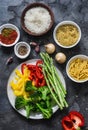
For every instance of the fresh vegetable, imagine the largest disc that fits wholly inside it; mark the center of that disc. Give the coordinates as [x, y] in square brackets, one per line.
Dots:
[28, 72]
[20, 102]
[9, 60]
[34, 44]
[67, 123]
[23, 66]
[39, 72]
[36, 74]
[37, 90]
[77, 118]
[39, 100]
[50, 48]
[53, 81]
[46, 112]
[73, 121]
[29, 96]
[29, 107]
[60, 57]
[18, 82]
[37, 48]
[42, 91]
[29, 87]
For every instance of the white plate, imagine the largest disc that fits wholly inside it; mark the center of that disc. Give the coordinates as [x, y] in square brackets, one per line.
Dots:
[12, 97]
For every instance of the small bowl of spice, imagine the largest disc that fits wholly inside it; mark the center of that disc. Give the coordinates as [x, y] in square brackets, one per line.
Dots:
[77, 68]
[9, 35]
[22, 50]
[67, 34]
[37, 19]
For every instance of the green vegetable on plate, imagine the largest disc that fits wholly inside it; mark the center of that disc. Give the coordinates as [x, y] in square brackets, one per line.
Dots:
[54, 84]
[40, 100]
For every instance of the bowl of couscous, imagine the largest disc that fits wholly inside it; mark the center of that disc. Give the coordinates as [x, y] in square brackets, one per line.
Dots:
[67, 34]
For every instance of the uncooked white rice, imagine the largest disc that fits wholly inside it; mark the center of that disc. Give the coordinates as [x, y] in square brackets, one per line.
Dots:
[37, 20]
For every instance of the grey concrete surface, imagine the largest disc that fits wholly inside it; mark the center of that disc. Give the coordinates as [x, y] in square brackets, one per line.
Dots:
[77, 94]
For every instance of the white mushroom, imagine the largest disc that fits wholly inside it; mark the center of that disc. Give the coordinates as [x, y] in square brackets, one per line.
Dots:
[60, 57]
[50, 48]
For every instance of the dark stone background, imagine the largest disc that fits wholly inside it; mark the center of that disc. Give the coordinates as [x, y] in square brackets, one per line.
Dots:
[77, 97]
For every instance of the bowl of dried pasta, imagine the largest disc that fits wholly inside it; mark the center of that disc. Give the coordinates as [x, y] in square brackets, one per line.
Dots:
[77, 68]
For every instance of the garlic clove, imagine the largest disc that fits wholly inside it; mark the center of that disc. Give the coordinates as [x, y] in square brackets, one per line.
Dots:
[34, 44]
[37, 49]
[9, 60]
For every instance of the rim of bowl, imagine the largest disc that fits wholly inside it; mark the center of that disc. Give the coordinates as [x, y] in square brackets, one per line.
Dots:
[20, 44]
[64, 23]
[68, 63]
[32, 5]
[13, 27]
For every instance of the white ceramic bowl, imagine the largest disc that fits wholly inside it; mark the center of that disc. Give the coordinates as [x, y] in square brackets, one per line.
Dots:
[65, 23]
[8, 25]
[22, 44]
[80, 56]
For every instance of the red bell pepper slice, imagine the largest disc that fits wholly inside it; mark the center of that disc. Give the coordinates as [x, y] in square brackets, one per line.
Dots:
[39, 72]
[32, 76]
[67, 123]
[73, 121]
[39, 62]
[77, 118]
[39, 83]
[42, 83]
[23, 67]
[31, 67]
[36, 74]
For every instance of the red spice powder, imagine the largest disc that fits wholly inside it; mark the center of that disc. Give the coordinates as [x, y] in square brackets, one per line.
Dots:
[10, 38]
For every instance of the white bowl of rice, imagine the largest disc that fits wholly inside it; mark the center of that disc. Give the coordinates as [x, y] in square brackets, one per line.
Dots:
[37, 19]
[77, 68]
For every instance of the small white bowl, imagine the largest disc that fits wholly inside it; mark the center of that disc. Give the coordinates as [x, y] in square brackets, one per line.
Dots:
[66, 23]
[80, 56]
[8, 25]
[22, 44]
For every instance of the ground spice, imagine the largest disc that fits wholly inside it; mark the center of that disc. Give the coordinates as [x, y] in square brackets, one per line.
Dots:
[8, 36]
[22, 50]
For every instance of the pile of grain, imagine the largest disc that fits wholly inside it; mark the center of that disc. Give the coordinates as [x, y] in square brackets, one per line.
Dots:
[37, 20]
[67, 34]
